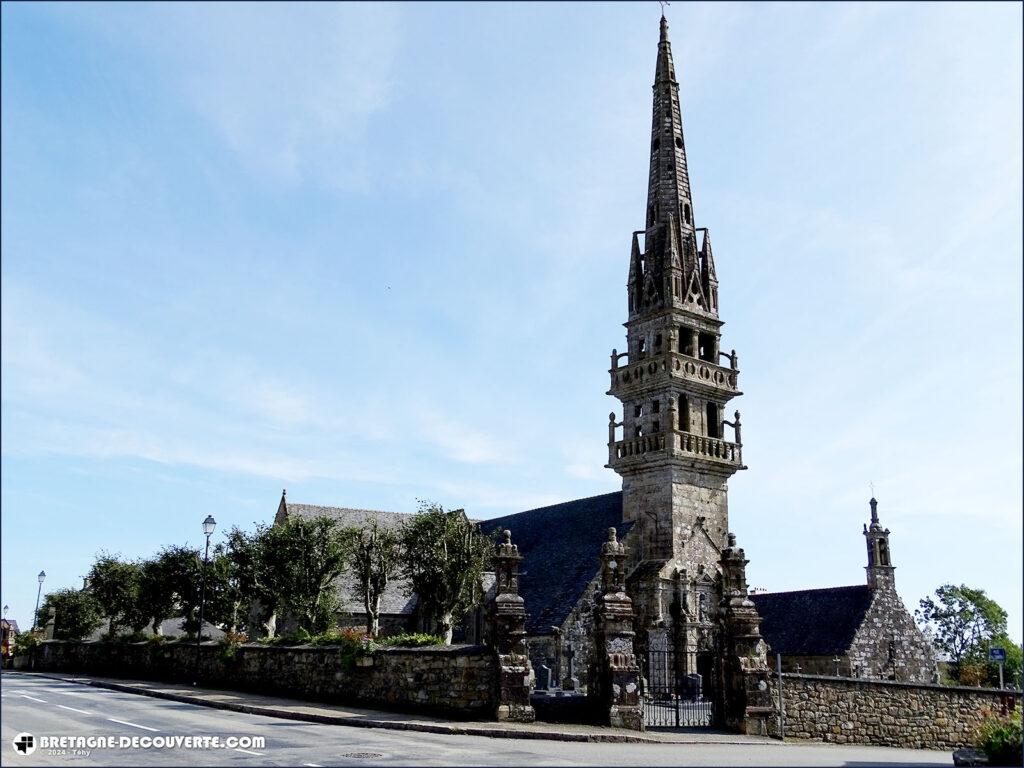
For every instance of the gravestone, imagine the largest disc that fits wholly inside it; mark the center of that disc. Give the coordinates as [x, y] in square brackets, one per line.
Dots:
[543, 678]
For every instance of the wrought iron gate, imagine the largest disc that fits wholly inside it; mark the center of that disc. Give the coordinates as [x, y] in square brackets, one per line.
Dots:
[677, 690]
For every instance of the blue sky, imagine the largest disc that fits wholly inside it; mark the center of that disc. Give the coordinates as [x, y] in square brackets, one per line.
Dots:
[378, 253]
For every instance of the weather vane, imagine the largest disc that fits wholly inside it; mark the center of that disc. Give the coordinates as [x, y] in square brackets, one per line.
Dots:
[871, 485]
[663, 3]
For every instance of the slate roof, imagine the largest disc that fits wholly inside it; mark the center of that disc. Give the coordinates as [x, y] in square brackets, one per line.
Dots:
[398, 597]
[560, 545]
[812, 622]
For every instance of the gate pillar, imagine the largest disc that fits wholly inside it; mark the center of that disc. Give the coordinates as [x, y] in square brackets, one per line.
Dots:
[508, 623]
[615, 677]
[743, 695]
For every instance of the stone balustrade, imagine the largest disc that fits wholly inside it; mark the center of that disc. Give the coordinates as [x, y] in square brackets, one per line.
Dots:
[675, 442]
[673, 364]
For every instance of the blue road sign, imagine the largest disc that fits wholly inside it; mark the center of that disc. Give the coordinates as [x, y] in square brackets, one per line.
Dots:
[998, 655]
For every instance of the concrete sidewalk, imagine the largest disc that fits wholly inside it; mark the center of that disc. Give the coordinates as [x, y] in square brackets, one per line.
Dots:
[333, 714]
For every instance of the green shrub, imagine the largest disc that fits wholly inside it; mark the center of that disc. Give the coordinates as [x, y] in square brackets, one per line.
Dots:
[1000, 738]
[25, 642]
[299, 637]
[411, 640]
[127, 637]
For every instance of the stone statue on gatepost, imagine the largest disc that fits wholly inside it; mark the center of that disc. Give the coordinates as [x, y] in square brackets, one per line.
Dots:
[508, 630]
[614, 676]
[744, 699]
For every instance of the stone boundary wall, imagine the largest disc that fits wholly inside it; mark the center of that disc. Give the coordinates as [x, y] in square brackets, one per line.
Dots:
[455, 681]
[846, 710]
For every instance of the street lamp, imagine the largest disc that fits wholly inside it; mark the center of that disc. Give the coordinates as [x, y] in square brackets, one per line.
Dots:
[35, 616]
[208, 526]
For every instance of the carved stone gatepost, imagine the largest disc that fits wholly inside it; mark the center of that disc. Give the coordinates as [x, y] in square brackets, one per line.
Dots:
[508, 622]
[744, 698]
[614, 676]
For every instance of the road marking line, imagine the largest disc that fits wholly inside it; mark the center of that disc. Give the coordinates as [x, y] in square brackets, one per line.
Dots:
[134, 725]
[239, 749]
[26, 696]
[74, 710]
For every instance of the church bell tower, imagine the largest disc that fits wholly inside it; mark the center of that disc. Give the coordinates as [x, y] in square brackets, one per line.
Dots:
[673, 445]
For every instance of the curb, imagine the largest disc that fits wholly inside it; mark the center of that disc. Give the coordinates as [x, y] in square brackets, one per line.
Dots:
[500, 733]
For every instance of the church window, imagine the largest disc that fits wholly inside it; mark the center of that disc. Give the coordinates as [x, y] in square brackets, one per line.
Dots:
[686, 212]
[657, 143]
[638, 411]
[641, 349]
[679, 143]
[656, 426]
[684, 414]
[656, 406]
[714, 422]
[657, 341]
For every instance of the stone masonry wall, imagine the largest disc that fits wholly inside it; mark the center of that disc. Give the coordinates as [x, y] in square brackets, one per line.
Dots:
[457, 681]
[883, 713]
[889, 644]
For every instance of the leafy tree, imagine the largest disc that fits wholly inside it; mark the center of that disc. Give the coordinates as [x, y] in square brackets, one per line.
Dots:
[303, 558]
[375, 559]
[169, 585]
[116, 585]
[444, 556]
[76, 613]
[963, 623]
[226, 603]
[250, 573]
[291, 567]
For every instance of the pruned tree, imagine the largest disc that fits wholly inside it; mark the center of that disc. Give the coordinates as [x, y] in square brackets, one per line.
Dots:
[169, 585]
[249, 573]
[115, 584]
[291, 567]
[444, 556]
[375, 553]
[77, 613]
[226, 601]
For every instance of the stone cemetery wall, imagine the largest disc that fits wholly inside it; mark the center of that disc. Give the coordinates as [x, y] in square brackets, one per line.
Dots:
[883, 713]
[457, 681]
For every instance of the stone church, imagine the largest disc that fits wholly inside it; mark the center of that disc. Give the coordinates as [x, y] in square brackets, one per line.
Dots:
[675, 449]
[856, 631]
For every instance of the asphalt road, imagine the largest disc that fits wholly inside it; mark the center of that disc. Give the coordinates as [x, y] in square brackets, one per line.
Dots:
[48, 707]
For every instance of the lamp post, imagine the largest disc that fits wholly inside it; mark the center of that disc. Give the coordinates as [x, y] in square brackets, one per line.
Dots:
[208, 525]
[35, 616]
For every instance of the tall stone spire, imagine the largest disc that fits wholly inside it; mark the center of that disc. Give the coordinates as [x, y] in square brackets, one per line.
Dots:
[668, 190]
[673, 271]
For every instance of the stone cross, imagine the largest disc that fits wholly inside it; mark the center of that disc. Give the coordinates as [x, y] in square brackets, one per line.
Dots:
[836, 660]
[557, 671]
